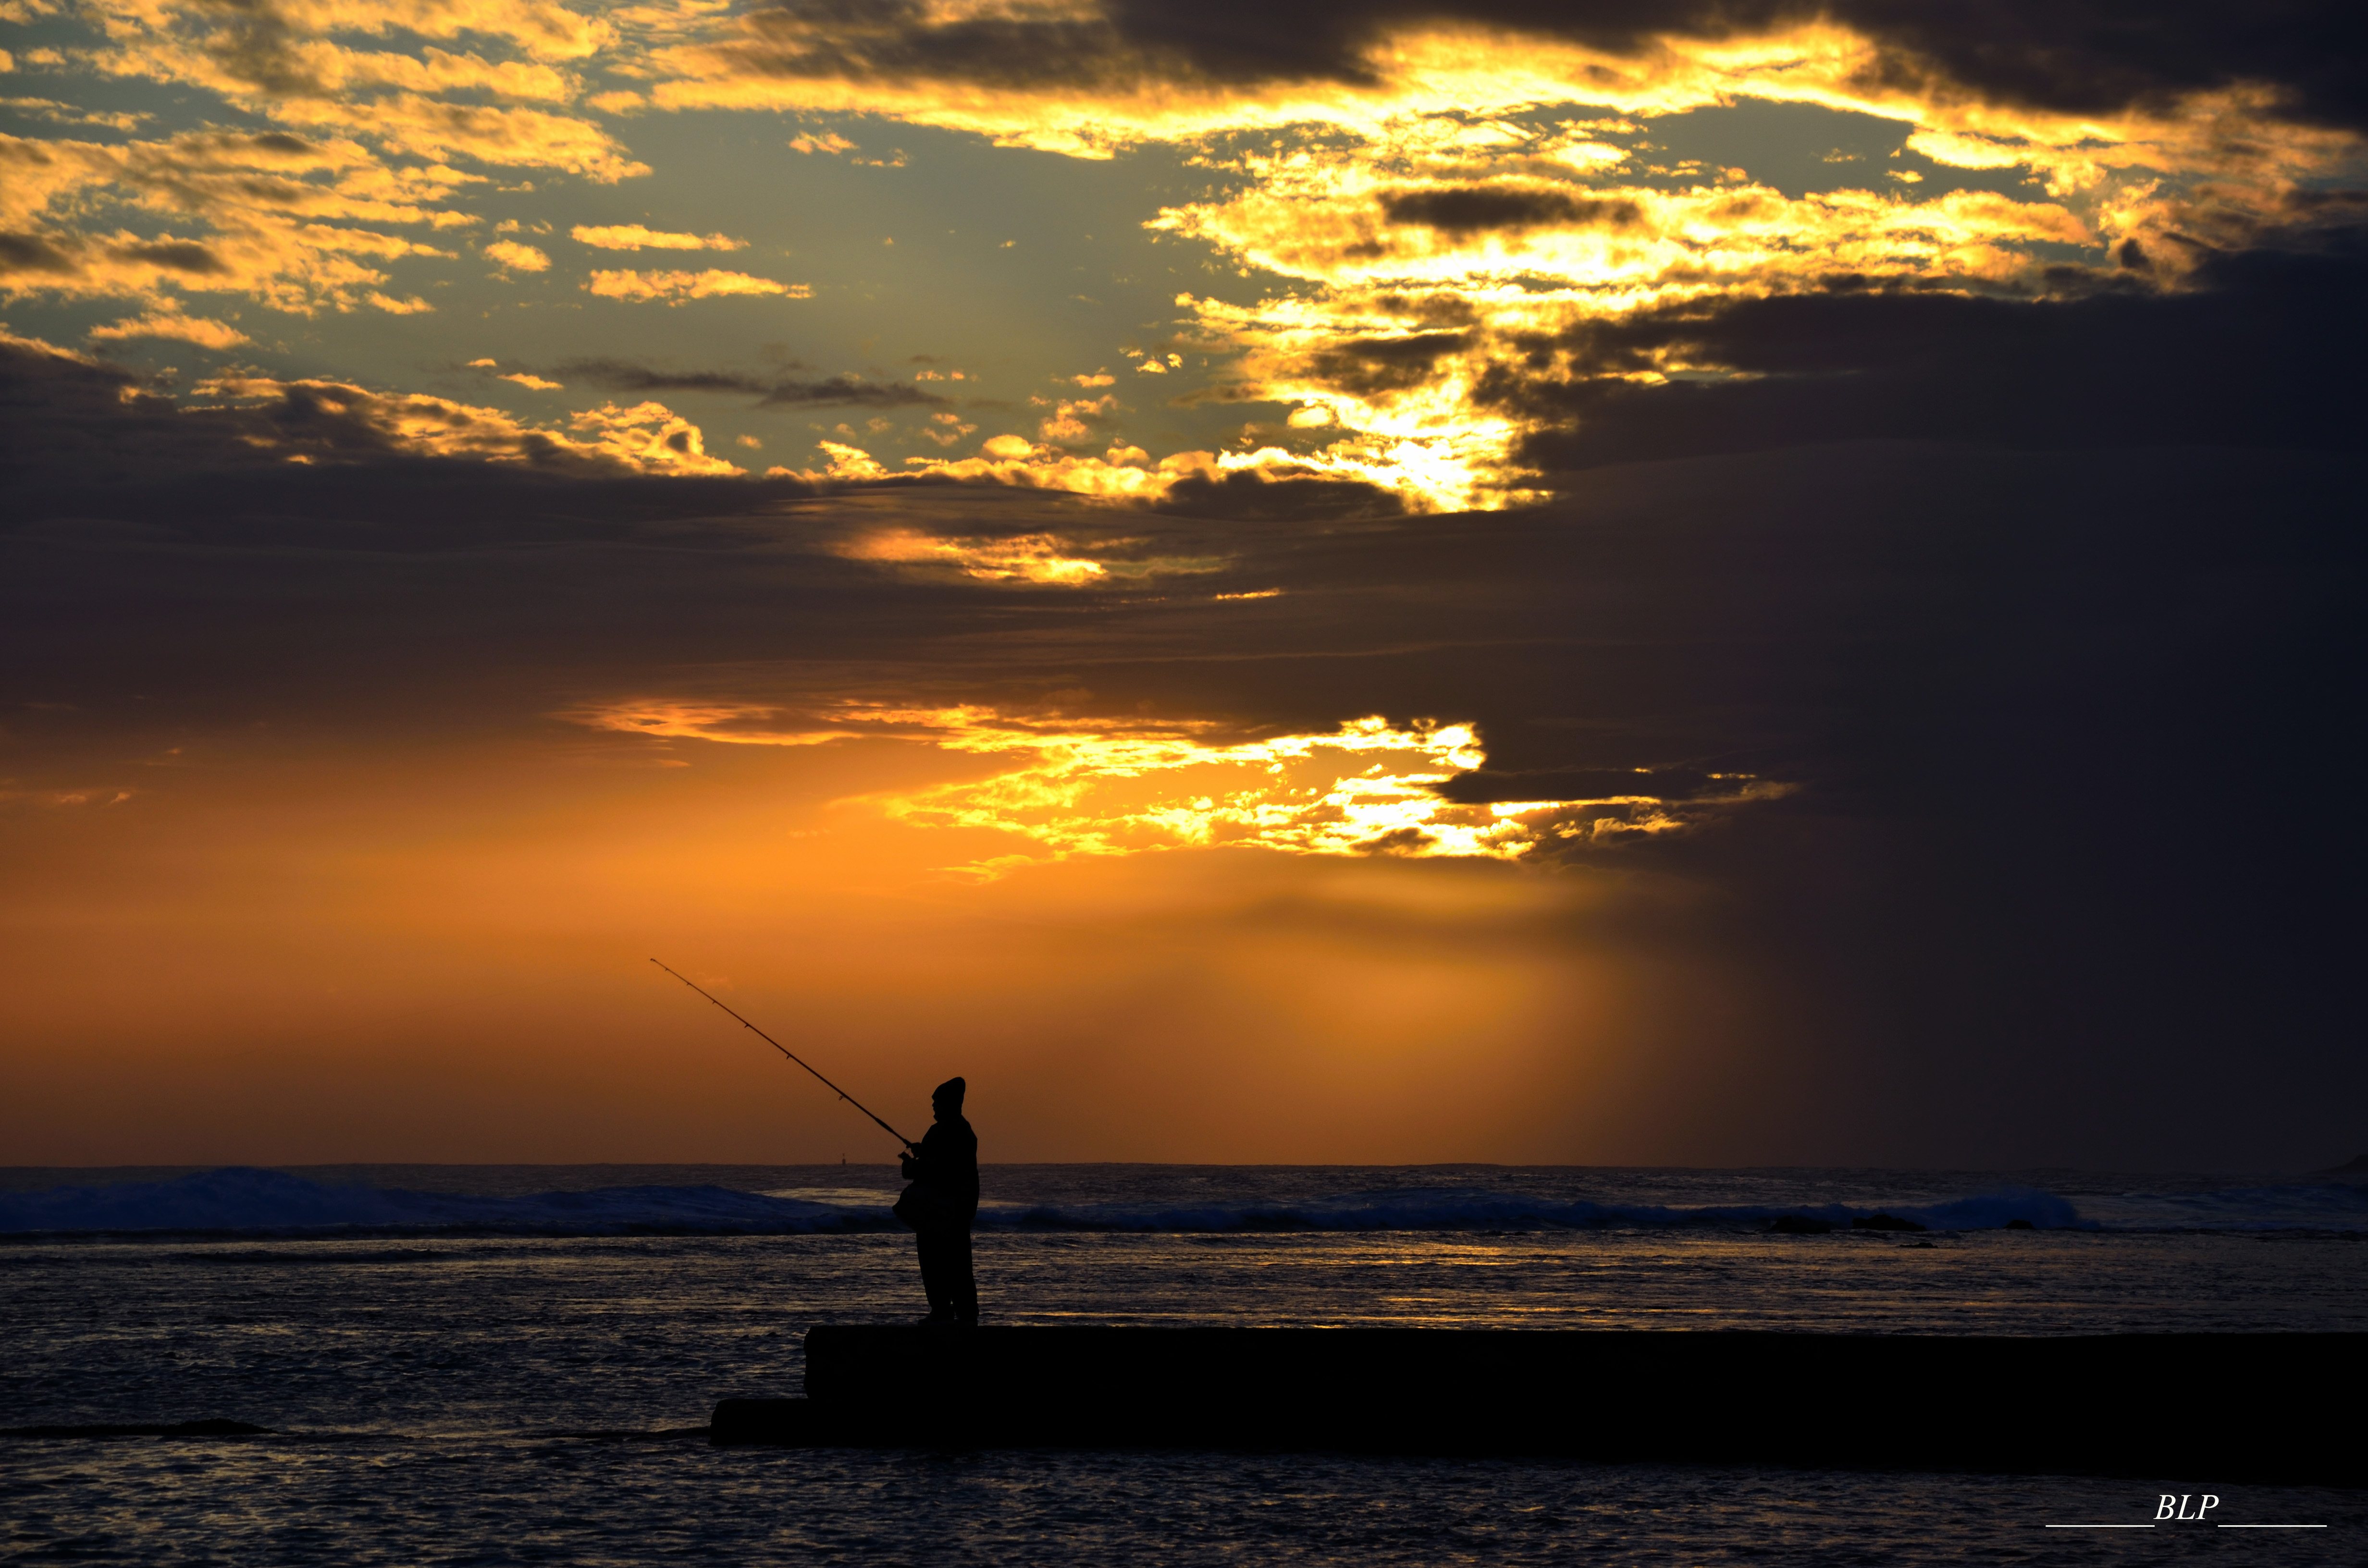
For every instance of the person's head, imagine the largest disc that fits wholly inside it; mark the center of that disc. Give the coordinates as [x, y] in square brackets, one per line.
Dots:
[947, 1097]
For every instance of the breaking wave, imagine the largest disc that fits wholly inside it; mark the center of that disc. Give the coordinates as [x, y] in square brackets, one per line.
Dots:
[241, 1201]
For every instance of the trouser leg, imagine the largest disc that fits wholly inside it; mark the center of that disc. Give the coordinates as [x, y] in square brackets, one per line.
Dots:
[962, 1285]
[931, 1243]
[946, 1270]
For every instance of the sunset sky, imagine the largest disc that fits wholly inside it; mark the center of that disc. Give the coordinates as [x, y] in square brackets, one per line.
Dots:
[1596, 584]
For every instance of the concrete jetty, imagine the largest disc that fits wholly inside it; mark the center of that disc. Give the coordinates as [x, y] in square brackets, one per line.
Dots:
[2232, 1406]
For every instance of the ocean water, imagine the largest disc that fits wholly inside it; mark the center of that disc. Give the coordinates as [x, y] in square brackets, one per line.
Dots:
[511, 1364]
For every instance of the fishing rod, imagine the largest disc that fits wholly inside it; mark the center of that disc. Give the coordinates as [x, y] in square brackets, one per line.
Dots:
[785, 1050]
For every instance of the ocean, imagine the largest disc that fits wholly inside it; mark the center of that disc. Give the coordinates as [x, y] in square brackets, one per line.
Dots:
[507, 1364]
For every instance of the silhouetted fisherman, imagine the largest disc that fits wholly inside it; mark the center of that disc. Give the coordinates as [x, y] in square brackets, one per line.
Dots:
[940, 1205]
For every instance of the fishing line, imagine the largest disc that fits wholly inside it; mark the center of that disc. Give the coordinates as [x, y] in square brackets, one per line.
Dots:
[785, 1050]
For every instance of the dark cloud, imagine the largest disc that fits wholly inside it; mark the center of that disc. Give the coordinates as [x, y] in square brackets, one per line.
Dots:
[900, 39]
[1244, 496]
[849, 391]
[1485, 786]
[31, 253]
[179, 256]
[1463, 210]
[258, 45]
[1439, 309]
[1215, 392]
[2085, 56]
[1369, 365]
[41, 254]
[2264, 351]
[2099, 55]
[78, 426]
[70, 419]
[624, 375]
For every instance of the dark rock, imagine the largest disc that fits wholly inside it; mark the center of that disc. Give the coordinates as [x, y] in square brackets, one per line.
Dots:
[2021, 1225]
[2130, 1404]
[1884, 1223]
[1798, 1225]
[2359, 1166]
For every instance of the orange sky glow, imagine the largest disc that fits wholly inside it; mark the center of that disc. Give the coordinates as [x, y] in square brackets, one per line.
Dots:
[442, 957]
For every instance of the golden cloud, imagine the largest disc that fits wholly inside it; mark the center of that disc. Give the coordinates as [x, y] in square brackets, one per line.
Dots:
[298, 67]
[1427, 284]
[517, 257]
[1423, 474]
[425, 127]
[275, 211]
[948, 429]
[1063, 76]
[632, 237]
[58, 113]
[1443, 181]
[1078, 89]
[1340, 220]
[318, 420]
[282, 60]
[649, 437]
[675, 287]
[296, 268]
[167, 321]
[541, 30]
[730, 723]
[1016, 460]
[1085, 787]
[1072, 418]
[1436, 196]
